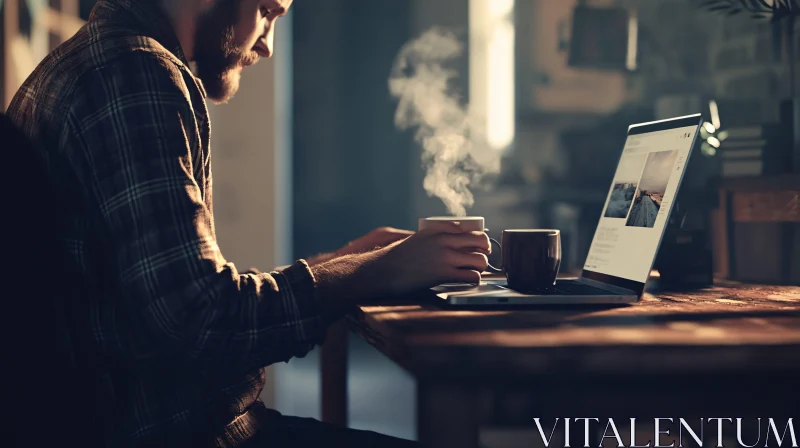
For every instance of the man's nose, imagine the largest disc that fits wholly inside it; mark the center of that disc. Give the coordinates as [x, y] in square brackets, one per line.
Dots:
[270, 40]
[263, 48]
[265, 44]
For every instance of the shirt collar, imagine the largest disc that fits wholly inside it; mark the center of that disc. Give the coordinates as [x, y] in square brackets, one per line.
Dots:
[143, 16]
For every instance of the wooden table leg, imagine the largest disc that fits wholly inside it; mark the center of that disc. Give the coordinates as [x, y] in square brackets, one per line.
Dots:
[447, 416]
[333, 373]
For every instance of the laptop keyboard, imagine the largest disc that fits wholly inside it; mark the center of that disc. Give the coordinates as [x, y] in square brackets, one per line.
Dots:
[573, 288]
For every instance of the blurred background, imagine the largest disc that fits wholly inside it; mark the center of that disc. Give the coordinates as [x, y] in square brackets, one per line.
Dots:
[308, 156]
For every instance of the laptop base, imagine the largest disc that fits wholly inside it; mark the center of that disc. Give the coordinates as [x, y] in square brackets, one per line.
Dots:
[495, 293]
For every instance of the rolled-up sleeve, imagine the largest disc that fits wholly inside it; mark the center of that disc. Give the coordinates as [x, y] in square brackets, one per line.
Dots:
[179, 296]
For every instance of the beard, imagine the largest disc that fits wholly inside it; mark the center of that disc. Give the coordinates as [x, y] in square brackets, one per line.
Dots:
[218, 55]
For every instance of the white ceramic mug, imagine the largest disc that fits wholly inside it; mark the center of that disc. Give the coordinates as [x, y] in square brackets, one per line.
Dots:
[467, 224]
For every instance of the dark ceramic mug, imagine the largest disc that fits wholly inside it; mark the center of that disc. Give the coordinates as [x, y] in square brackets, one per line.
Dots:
[531, 258]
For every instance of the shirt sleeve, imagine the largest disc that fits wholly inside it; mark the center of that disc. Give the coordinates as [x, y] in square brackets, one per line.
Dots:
[136, 128]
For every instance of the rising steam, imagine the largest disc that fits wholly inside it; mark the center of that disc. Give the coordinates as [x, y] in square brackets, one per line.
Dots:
[455, 154]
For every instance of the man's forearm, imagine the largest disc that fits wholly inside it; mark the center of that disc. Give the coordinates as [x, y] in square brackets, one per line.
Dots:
[321, 258]
[345, 281]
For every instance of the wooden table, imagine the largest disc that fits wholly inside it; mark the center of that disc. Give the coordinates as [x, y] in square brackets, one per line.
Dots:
[728, 351]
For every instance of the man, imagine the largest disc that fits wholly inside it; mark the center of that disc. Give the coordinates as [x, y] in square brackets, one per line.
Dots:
[176, 336]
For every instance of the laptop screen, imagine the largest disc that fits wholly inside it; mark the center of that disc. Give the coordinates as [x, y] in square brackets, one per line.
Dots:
[638, 202]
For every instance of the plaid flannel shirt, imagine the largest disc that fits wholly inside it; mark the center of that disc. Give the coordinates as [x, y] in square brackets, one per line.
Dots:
[180, 337]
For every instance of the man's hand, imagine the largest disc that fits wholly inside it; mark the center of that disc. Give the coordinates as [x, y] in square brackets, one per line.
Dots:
[376, 239]
[427, 258]
[434, 256]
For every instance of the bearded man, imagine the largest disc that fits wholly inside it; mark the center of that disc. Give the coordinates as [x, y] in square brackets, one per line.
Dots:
[174, 336]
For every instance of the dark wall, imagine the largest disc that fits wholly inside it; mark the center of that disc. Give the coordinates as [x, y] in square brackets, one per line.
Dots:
[351, 167]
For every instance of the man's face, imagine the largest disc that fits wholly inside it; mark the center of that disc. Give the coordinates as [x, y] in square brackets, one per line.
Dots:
[231, 35]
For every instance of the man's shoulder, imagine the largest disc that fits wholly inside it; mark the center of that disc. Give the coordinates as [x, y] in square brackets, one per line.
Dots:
[98, 54]
[125, 55]
[106, 45]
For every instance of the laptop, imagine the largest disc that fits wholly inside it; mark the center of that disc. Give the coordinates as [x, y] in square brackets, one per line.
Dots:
[630, 230]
